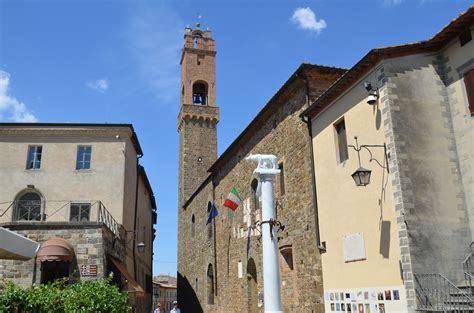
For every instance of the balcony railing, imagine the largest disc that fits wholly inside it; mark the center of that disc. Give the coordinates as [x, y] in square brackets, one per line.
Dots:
[74, 212]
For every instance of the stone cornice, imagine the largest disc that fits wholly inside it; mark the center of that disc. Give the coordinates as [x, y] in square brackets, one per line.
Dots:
[199, 114]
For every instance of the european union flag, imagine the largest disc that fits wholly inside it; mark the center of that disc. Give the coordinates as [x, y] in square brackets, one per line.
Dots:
[212, 213]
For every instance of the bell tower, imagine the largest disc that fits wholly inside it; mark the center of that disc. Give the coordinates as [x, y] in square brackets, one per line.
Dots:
[199, 114]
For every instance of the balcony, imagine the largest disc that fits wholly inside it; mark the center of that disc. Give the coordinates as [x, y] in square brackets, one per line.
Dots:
[37, 212]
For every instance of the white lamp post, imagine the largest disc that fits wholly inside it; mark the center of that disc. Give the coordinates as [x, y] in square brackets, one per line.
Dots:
[266, 169]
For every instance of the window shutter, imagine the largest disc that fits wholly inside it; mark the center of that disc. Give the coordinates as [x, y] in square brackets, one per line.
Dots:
[469, 82]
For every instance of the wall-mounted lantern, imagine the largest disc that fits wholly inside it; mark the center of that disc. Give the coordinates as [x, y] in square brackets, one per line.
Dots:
[362, 175]
[140, 245]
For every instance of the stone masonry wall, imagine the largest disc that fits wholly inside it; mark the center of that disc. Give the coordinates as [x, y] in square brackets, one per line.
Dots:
[91, 244]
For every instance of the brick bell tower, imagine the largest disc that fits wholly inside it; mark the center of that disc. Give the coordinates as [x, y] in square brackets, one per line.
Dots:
[199, 114]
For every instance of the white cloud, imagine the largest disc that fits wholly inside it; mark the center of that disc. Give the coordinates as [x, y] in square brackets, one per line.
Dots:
[10, 108]
[306, 19]
[391, 3]
[101, 85]
[156, 37]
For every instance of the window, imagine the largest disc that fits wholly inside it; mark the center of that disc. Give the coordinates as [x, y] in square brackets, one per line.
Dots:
[255, 196]
[28, 207]
[341, 140]
[193, 220]
[469, 83]
[282, 179]
[200, 93]
[83, 157]
[210, 284]
[34, 157]
[80, 212]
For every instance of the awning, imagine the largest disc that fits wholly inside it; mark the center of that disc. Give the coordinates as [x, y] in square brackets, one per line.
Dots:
[16, 247]
[55, 249]
[131, 281]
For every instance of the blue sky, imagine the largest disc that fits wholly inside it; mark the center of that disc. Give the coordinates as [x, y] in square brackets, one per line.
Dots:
[118, 62]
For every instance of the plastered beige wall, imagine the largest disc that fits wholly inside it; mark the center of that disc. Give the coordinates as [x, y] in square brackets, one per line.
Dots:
[57, 179]
[344, 208]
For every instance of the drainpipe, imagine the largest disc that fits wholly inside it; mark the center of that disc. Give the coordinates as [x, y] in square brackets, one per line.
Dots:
[135, 232]
[308, 123]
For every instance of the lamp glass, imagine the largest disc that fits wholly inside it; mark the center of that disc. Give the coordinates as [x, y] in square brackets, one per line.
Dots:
[141, 247]
[361, 176]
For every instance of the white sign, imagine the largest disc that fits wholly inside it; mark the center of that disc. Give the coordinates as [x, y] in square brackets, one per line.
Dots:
[353, 247]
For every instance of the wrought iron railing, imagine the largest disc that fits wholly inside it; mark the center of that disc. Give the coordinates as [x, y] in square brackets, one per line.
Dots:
[75, 212]
[435, 292]
[469, 270]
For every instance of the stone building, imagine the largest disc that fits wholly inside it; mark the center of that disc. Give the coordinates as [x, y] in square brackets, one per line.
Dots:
[401, 242]
[220, 264]
[164, 292]
[79, 190]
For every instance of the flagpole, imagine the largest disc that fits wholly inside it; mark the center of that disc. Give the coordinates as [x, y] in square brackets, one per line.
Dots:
[266, 169]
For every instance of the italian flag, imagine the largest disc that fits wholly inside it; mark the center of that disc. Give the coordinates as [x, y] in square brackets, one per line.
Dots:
[233, 200]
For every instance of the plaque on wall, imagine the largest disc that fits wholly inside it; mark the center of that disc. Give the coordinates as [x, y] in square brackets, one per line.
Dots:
[88, 270]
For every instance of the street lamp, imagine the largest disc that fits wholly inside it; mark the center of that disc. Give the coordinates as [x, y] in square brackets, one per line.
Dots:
[141, 247]
[362, 175]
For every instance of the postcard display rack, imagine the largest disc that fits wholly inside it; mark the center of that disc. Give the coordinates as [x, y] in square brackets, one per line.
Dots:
[366, 300]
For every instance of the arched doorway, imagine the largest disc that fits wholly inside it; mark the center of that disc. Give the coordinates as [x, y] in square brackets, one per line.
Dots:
[252, 290]
[28, 207]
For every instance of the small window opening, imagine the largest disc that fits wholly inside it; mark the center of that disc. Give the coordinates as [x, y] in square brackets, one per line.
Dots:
[282, 179]
[80, 212]
[255, 197]
[341, 140]
[210, 284]
[200, 93]
[193, 220]
[287, 254]
[209, 226]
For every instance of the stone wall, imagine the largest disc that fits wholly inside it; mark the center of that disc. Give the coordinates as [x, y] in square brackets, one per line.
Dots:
[91, 245]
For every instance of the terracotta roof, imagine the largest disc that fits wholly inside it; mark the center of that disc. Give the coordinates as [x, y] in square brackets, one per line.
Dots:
[453, 29]
[133, 136]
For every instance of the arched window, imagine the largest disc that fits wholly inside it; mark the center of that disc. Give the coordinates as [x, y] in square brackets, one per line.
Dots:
[200, 93]
[28, 207]
[193, 220]
[210, 284]
[255, 196]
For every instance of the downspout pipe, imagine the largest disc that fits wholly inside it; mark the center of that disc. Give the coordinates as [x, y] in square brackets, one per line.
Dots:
[307, 121]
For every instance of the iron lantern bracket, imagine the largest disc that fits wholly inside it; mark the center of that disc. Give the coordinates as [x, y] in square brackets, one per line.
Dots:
[358, 148]
[272, 224]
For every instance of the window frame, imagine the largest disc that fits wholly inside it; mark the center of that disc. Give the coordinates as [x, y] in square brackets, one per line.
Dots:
[81, 159]
[468, 78]
[36, 157]
[341, 141]
[79, 215]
